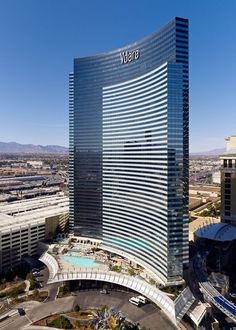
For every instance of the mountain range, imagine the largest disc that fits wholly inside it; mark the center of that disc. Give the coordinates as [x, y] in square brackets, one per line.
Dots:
[14, 147]
[214, 152]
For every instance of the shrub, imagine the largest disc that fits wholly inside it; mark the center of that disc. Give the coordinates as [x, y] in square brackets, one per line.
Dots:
[61, 322]
[94, 249]
[103, 308]
[152, 281]
[36, 293]
[77, 323]
[116, 269]
[31, 279]
[131, 272]
[63, 290]
[76, 308]
[14, 292]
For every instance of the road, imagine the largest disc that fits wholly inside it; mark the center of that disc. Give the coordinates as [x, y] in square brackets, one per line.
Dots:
[51, 288]
[148, 315]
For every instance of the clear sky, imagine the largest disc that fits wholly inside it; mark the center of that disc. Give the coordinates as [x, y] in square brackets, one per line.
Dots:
[40, 38]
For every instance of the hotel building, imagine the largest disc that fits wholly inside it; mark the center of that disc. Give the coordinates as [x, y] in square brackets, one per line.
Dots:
[228, 182]
[129, 150]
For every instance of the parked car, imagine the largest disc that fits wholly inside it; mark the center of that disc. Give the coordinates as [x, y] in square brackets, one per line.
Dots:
[104, 291]
[142, 299]
[135, 301]
[36, 273]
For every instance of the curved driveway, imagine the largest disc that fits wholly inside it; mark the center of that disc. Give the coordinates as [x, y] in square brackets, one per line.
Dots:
[148, 315]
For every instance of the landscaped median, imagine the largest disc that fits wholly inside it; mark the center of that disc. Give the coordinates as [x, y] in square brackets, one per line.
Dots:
[13, 289]
[36, 295]
[87, 318]
[15, 294]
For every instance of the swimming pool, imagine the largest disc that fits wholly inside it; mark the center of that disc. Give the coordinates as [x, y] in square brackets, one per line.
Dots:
[80, 261]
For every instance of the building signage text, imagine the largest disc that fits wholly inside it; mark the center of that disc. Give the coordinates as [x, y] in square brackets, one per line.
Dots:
[127, 56]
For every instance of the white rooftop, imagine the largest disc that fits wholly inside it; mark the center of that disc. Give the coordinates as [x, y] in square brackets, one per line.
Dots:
[23, 213]
[197, 311]
[31, 204]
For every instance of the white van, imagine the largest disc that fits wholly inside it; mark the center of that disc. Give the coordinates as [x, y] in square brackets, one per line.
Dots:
[142, 299]
[134, 301]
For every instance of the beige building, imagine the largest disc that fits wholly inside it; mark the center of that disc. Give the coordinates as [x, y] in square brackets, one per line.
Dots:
[23, 224]
[231, 144]
[198, 223]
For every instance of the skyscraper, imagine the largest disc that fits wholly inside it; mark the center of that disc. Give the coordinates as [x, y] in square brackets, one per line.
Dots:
[228, 182]
[129, 150]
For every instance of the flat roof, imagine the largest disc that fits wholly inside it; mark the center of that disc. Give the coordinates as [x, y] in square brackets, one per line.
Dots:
[201, 222]
[228, 156]
[31, 204]
[204, 188]
[24, 213]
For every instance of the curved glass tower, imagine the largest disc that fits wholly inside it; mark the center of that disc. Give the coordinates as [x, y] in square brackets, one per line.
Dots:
[129, 150]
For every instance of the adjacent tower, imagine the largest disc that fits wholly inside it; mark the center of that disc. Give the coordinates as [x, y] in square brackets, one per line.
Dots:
[129, 150]
[228, 182]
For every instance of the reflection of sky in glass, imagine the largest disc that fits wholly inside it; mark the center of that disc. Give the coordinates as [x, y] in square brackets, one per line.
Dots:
[128, 242]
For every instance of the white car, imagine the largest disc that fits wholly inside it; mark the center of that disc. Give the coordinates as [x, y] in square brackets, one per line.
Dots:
[134, 301]
[142, 299]
[104, 291]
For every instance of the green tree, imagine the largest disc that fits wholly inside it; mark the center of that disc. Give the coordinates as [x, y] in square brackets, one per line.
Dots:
[63, 290]
[76, 308]
[131, 272]
[103, 308]
[36, 293]
[14, 292]
[152, 281]
[94, 249]
[77, 323]
[61, 322]
[31, 279]
[116, 269]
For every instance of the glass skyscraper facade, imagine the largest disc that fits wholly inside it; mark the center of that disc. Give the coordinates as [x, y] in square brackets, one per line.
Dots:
[129, 150]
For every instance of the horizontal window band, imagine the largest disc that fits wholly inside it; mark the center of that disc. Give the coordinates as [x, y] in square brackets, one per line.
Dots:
[133, 82]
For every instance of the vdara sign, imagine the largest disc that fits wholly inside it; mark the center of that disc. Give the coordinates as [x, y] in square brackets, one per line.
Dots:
[127, 57]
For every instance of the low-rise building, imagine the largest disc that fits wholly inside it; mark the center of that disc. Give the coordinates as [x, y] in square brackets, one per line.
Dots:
[199, 223]
[216, 178]
[35, 163]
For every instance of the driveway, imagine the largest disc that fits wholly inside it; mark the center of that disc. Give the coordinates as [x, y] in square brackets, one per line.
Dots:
[147, 315]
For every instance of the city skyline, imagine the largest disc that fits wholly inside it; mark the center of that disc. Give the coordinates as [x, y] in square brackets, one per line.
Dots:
[39, 39]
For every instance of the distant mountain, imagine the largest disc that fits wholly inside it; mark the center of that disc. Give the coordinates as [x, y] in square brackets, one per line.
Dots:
[13, 147]
[214, 152]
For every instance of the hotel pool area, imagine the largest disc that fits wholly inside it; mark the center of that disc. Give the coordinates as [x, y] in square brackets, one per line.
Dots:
[80, 261]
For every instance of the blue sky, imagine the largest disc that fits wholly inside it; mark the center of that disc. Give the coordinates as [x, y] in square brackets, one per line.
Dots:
[40, 38]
